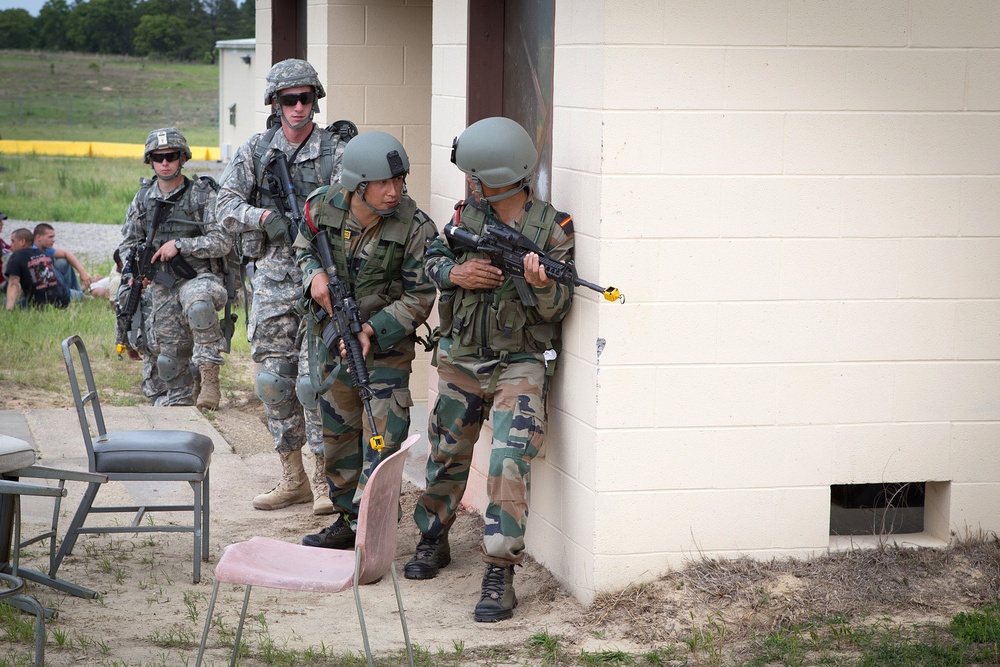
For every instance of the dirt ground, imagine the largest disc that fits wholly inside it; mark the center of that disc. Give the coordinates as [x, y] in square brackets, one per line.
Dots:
[150, 613]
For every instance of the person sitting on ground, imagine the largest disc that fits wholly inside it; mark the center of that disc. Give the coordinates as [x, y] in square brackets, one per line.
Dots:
[64, 261]
[4, 253]
[32, 271]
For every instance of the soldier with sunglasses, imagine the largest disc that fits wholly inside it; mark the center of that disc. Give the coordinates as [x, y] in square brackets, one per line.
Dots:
[253, 215]
[181, 304]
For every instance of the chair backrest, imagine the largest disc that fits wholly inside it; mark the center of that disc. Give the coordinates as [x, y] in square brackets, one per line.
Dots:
[378, 515]
[83, 400]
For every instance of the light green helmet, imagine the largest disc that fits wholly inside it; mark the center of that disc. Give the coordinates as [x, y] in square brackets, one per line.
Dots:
[291, 73]
[372, 156]
[496, 151]
[166, 137]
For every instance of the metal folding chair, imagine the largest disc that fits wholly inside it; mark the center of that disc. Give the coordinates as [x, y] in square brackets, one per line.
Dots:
[130, 456]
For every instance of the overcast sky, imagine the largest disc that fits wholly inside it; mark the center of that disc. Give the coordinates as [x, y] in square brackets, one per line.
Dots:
[31, 5]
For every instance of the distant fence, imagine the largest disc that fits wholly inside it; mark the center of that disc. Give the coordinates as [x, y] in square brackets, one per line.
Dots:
[93, 149]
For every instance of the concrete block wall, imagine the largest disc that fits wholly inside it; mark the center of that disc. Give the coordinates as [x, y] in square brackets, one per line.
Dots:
[374, 59]
[800, 201]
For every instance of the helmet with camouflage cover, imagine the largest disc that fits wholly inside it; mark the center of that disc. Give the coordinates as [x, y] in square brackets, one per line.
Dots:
[372, 156]
[291, 73]
[163, 138]
[495, 151]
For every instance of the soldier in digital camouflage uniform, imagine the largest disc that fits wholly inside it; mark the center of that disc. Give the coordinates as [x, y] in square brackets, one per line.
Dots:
[187, 291]
[377, 237]
[251, 214]
[495, 353]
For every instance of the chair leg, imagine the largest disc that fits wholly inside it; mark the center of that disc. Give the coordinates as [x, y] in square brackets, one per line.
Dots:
[239, 628]
[196, 530]
[35, 607]
[402, 614]
[208, 623]
[205, 514]
[73, 532]
[357, 600]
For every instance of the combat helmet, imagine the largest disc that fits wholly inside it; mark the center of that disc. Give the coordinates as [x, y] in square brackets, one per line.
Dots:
[289, 74]
[496, 152]
[372, 156]
[166, 137]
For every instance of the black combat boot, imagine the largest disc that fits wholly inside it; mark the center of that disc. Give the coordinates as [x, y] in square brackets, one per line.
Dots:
[498, 600]
[337, 536]
[432, 554]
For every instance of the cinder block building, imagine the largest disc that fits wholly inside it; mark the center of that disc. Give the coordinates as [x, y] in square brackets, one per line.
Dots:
[800, 201]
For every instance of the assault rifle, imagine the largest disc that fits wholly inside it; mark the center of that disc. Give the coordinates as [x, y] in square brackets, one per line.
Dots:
[506, 248]
[345, 325]
[141, 267]
[279, 182]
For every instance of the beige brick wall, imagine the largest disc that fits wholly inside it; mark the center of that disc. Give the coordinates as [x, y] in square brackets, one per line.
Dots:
[801, 203]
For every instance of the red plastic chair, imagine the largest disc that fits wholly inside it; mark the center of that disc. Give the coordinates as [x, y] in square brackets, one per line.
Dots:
[261, 561]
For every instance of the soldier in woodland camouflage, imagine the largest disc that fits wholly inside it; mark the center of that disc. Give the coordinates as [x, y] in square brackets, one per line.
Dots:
[188, 291]
[251, 214]
[495, 354]
[377, 236]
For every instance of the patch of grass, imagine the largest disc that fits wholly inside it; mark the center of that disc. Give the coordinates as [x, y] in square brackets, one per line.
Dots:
[90, 97]
[982, 626]
[69, 189]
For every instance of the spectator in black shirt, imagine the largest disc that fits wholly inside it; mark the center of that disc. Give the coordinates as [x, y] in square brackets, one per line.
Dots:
[31, 271]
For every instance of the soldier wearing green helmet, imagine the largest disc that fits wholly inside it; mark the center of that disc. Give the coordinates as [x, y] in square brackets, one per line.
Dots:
[495, 358]
[253, 215]
[377, 236]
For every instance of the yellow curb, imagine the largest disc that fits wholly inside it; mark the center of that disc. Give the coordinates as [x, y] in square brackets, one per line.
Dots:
[92, 149]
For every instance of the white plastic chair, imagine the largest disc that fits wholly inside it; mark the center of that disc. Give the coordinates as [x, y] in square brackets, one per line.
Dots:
[262, 561]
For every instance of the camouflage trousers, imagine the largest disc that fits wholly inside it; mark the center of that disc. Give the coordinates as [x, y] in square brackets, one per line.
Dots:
[349, 458]
[465, 399]
[276, 345]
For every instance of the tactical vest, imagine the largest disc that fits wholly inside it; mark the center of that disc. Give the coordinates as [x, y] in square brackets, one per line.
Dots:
[486, 323]
[378, 281]
[306, 176]
[186, 218]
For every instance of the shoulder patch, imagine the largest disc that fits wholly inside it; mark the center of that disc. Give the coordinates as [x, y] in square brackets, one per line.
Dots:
[565, 220]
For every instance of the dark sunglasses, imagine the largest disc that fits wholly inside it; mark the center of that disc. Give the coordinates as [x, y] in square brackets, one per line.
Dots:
[291, 99]
[172, 156]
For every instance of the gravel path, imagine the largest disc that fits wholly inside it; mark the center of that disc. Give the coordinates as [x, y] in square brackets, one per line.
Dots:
[91, 243]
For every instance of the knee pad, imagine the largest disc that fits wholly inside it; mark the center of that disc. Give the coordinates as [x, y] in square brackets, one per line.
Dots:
[201, 315]
[305, 392]
[169, 367]
[275, 392]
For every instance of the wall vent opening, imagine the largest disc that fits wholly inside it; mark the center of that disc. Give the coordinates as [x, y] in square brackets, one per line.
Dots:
[888, 508]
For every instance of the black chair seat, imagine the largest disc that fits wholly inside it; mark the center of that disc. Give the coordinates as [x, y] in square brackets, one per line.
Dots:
[168, 452]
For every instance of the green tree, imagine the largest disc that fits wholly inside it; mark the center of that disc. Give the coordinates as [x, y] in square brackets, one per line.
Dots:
[248, 18]
[102, 26]
[17, 29]
[159, 35]
[176, 29]
[51, 24]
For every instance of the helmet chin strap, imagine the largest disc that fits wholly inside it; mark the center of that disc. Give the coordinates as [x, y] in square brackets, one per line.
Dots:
[298, 126]
[383, 212]
[495, 198]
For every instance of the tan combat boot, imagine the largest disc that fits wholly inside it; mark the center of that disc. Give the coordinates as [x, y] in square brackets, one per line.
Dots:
[321, 490]
[293, 487]
[209, 393]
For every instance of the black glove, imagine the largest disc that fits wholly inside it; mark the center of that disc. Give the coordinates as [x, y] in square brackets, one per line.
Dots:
[276, 227]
